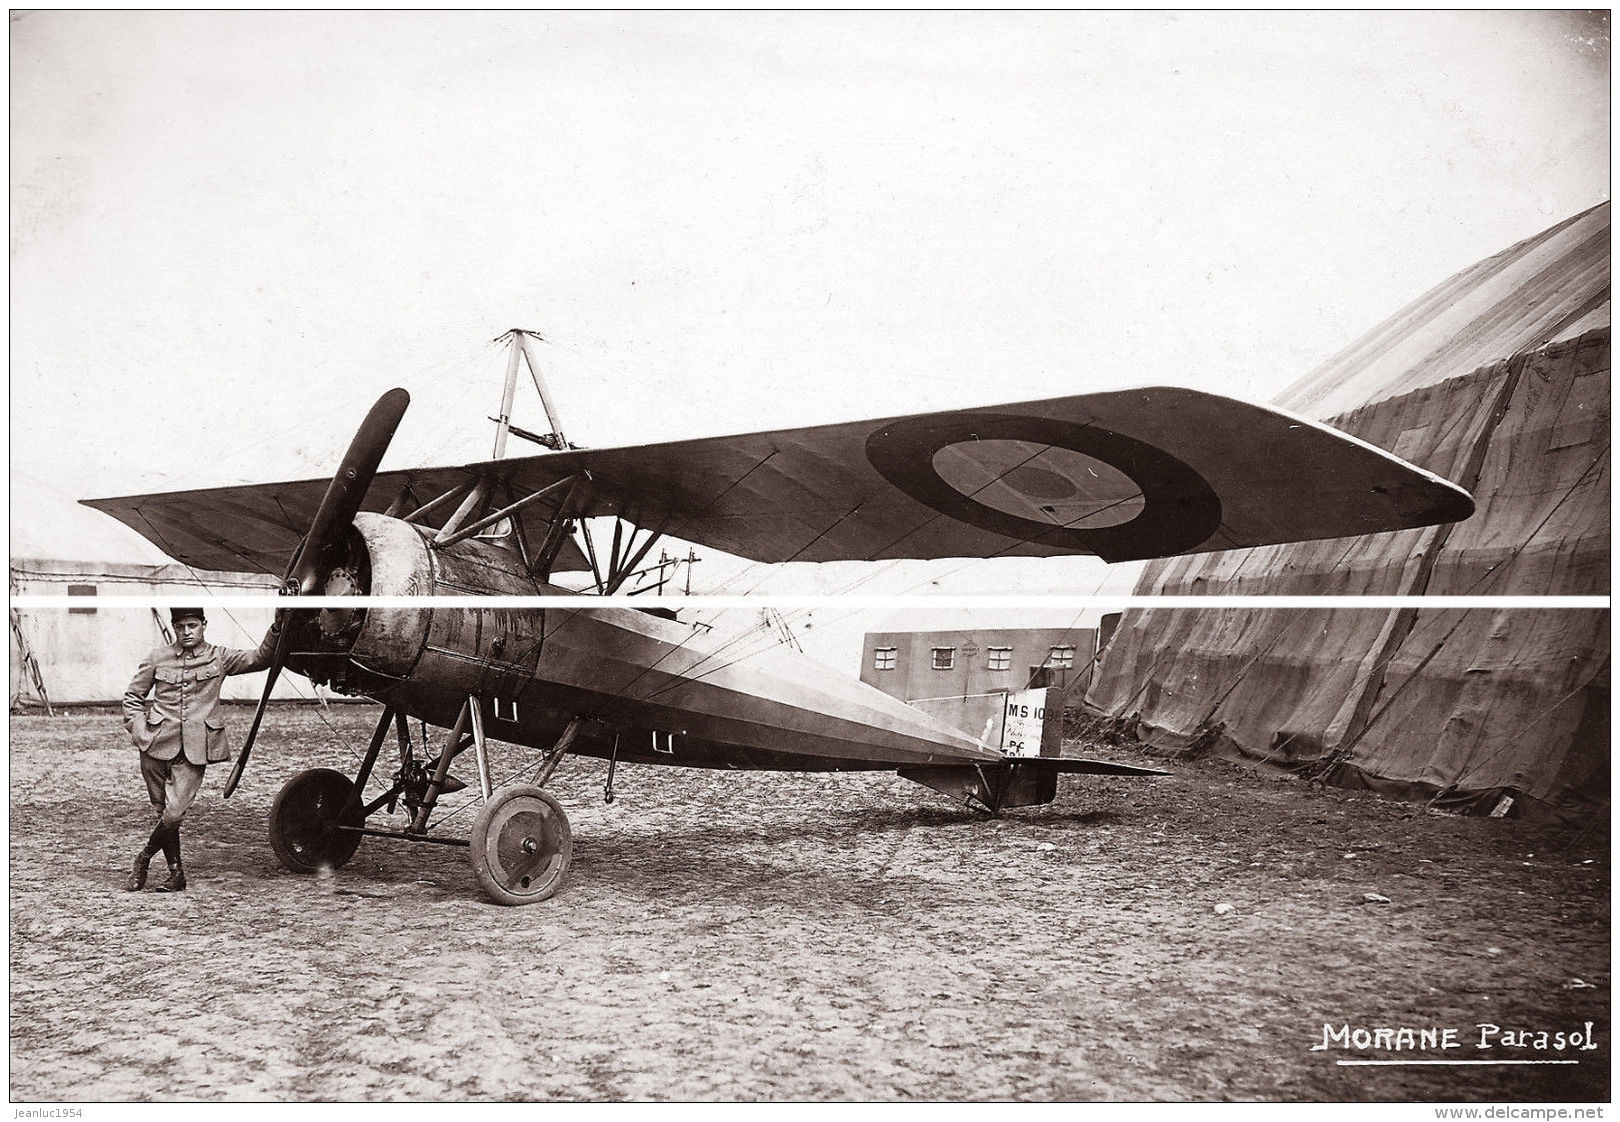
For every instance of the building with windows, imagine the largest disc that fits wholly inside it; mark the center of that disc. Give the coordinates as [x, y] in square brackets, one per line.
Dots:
[86, 653]
[962, 676]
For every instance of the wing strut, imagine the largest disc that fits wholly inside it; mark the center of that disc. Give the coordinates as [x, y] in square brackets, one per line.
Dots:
[561, 523]
[454, 536]
[429, 507]
[628, 568]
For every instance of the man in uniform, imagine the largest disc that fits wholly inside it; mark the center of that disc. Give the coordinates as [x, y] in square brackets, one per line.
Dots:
[182, 731]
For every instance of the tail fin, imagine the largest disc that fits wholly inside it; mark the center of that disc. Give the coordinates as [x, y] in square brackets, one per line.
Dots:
[1002, 786]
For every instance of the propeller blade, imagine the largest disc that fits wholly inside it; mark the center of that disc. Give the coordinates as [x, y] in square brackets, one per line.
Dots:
[337, 510]
[277, 661]
[347, 490]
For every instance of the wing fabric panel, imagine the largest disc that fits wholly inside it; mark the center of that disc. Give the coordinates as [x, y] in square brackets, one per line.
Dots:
[256, 528]
[1124, 475]
[1217, 473]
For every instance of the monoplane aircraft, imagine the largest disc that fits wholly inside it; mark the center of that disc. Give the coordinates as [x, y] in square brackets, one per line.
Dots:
[1123, 475]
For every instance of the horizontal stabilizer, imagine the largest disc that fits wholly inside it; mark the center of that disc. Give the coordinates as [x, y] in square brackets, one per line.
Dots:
[1000, 786]
[1092, 767]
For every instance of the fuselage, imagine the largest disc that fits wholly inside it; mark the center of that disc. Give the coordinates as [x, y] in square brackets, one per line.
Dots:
[649, 688]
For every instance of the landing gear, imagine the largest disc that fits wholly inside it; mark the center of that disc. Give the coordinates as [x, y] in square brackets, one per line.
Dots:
[521, 842]
[307, 821]
[521, 845]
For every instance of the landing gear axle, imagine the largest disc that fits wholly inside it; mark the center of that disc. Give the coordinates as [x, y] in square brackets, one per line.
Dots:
[521, 843]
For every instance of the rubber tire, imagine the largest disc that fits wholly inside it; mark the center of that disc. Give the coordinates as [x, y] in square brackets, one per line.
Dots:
[302, 820]
[512, 816]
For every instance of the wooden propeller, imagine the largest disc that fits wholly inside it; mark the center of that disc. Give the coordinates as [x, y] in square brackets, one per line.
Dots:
[311, 560]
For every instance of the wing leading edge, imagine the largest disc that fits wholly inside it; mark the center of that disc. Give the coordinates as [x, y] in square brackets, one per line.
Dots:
[1124, 475]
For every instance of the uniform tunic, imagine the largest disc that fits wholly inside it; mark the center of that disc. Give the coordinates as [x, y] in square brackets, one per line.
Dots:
[184, 715]
[182, 730]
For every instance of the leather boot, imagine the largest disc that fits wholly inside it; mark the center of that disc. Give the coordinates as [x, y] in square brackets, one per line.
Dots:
[158, 840]
[176, 881]
[171, 854]
[137, 878]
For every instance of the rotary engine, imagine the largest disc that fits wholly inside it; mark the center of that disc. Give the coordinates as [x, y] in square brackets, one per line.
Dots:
[348, 648]
[360, 649]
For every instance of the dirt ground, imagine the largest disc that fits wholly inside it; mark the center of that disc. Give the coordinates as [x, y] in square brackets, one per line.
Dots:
[754, 936]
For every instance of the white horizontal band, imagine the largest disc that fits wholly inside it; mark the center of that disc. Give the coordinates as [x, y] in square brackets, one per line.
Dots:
[585, 602]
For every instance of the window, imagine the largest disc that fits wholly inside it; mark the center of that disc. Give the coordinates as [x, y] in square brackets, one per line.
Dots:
[944, 658]
[1000, 658]
[1061, 657]
[883, 658]
[82, 590]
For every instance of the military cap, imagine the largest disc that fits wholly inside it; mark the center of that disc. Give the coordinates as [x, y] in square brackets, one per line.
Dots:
[178, 614]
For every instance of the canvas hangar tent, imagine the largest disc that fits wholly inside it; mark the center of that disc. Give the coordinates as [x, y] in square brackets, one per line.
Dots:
[1498, 379]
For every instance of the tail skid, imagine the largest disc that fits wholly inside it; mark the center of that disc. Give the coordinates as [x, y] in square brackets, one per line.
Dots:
[1001, 786]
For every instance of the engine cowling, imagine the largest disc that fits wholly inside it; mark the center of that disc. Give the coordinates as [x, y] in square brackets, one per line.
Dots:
[469, 648]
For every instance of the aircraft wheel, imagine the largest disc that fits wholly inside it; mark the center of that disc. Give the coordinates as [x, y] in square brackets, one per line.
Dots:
[521, 845]
[304, 820]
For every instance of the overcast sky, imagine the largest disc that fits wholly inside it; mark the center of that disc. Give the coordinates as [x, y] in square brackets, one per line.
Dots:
[232, 231]
[258, 222]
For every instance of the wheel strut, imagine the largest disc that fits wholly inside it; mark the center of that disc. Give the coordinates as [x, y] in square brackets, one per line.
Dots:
[564, 742]
[613, 762]
[521, 844]
[480, 747]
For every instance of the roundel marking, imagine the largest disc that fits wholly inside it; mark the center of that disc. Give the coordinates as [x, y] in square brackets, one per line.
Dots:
[1058, 483]
[1052, 486]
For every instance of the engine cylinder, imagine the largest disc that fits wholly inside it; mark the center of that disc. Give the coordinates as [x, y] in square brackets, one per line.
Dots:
[391, 639]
